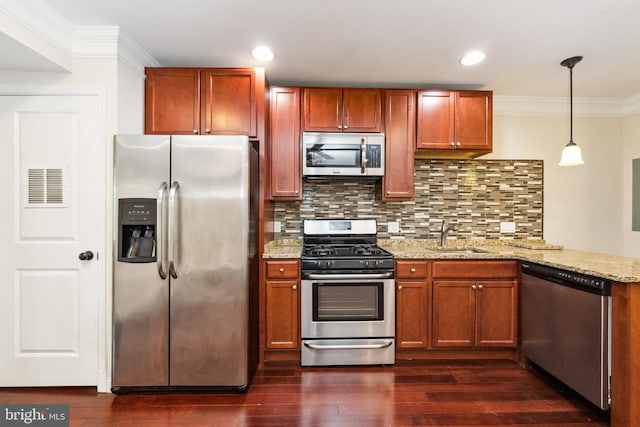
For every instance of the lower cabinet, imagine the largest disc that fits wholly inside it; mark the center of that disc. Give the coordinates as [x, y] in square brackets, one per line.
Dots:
[282, 305]
[412, 288]
[475, 304]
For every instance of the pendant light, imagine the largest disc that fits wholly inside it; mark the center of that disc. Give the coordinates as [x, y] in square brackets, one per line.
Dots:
[571, 155]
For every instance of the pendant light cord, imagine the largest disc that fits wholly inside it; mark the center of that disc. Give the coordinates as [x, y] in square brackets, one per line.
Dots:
[571, 105]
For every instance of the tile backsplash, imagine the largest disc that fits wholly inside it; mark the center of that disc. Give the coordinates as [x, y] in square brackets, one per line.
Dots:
[476, 195]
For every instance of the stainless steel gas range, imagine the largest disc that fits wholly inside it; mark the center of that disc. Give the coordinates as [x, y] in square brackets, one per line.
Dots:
[348, 297]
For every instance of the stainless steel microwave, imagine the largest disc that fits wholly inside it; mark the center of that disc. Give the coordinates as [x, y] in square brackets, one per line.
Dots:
[342, 154]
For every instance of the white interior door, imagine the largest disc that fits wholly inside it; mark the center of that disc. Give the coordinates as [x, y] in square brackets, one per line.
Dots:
[49, 185]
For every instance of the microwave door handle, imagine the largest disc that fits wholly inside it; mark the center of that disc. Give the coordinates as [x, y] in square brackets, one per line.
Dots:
[363, 155]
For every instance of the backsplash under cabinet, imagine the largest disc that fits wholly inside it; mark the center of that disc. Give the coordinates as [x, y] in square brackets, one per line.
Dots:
[477, 195]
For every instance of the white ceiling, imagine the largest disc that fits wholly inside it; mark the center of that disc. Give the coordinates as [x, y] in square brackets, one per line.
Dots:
[392, 43]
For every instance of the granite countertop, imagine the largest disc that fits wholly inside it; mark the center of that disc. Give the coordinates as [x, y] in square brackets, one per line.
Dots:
[616, 268]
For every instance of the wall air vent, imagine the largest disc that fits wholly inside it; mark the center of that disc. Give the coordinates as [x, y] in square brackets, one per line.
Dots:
[45, 187]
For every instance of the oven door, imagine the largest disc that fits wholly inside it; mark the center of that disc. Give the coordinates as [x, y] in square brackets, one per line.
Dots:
[347, 308]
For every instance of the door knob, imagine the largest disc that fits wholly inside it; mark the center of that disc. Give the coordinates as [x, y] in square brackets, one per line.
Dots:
[86, 256]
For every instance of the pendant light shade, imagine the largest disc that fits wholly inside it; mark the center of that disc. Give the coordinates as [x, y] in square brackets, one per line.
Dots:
[571, 155]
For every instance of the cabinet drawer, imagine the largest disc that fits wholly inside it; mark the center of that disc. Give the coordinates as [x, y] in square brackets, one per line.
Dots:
[474, 269]
[411, 269]
[282, 269]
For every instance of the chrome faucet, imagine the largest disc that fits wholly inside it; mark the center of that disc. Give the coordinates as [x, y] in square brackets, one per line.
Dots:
[444, 230]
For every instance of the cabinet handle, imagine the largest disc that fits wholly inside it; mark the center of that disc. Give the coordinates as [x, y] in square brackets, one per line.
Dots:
[400, 287]
[294, 287]
[413, 270]
[195, 131]
[281, 270]
[473, 287]
[207, 131]
[480, 287]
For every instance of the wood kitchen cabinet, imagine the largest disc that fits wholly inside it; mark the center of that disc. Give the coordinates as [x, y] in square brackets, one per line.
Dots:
[282, 305]
[454, 123]
[286, 174]
[400, 137]
[474, 304]
[205, 101]
[342, 110]
[172, 101]
[412, 304]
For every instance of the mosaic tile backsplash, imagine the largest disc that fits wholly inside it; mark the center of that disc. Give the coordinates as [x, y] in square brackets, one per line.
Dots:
[475, 195]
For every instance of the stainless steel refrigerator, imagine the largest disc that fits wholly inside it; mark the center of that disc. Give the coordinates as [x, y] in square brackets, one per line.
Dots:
[185, 262]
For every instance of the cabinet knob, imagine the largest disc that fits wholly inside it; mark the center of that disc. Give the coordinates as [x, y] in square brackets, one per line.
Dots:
[458, 144]
[281, 270]
[339, 126]
[294, 287]
[195, 131]
[479, 286]
[453, 144]
[388, 192]
[207, 131]
[473, 287]
[413, 270]
[296, 191]
[400, 287]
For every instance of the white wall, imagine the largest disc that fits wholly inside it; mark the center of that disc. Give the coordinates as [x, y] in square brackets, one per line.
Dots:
[631, 150]
[582, 205]
[130, 99]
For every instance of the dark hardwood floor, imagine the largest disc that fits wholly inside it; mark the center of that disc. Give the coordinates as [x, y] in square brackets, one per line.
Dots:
[460, 393]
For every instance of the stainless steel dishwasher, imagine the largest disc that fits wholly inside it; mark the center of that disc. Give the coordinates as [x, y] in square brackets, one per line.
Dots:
[565, 328]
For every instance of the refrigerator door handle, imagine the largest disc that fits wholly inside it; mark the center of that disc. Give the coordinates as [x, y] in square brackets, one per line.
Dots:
[161, 250]
[173, 208]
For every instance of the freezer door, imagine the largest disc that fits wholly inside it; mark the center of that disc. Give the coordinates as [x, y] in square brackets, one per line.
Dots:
[140, 295]
[209, 291]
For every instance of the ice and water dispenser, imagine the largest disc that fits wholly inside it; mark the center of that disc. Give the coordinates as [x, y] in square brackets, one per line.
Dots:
[137, 230]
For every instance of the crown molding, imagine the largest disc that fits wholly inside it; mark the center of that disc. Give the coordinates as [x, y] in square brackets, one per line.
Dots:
[40, 28]
[131, 54]
[507, 105]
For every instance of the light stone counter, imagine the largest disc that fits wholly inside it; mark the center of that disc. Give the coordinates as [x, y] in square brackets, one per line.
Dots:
[616, 268]
[283, 248]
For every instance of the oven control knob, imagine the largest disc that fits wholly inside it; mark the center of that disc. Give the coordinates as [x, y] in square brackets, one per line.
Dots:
[364, 263]
[326, 264]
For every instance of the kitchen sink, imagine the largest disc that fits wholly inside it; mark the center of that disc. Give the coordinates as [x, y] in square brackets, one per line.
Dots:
[461, 250]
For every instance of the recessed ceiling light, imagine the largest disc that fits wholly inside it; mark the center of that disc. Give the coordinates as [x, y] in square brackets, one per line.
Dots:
[263, 53]
[472, 58]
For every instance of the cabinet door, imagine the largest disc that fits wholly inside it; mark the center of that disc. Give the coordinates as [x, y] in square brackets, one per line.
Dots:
[473, 121]
[411, 314]
[436, 111]
[286, 177]
[322, 110]
[453, 313]
[229, 102]
[400, 117]
[496, 313]
[172, 101]
[362, 110]
[282, 315]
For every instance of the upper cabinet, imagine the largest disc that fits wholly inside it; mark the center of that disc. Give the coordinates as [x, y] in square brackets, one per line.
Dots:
[206, 101]
[400, 141]
[172, 101]
[342, 110]
[455, 123]
[286, 176]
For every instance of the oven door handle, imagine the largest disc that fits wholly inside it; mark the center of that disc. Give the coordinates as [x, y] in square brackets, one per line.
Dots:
[347, 346]
[388, 275]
